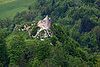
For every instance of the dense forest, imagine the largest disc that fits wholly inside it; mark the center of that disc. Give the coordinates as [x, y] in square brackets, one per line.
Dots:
[75, 41]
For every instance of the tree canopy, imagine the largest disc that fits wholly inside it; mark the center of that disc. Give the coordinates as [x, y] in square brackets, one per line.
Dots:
[75, 41]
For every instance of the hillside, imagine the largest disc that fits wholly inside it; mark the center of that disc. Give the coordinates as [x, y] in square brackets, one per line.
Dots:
[50, 33]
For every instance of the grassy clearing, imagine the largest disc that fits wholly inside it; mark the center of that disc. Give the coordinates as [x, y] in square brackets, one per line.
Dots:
[5, 1]
[9, 9]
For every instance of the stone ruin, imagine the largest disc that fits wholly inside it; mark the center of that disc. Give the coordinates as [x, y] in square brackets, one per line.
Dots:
[44, 30]
[44, 26]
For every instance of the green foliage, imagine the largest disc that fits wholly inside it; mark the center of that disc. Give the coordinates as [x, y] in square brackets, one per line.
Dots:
[43, 50]
[75, 41]
[35, 63]
[15, 46]
[70, 47]
[60, 32]
[58, 56]
[89, 40]
[3, 50]
[88, 1]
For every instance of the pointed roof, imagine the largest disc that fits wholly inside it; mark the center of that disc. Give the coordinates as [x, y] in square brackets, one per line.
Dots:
[46, 18]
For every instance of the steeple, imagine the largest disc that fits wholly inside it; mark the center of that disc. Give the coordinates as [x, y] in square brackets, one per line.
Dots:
[46, 18]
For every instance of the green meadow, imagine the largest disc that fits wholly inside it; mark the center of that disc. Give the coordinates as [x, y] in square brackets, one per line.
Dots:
[8, 8]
